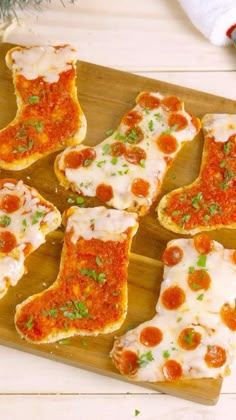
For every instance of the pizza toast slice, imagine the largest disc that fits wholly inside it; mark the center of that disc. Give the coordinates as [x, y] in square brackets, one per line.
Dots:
[49, 116]
[89, 296]
[210, 201]
[25, 219]
[126, 170]
[192, 334]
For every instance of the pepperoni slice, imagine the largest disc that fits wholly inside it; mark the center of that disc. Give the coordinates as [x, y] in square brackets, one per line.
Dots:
[199, 279]
[10, 203]
[189, 339]
[177, 120]
[134, 135]
[215, 356]
[173, 297]
[167, 143]
[150, 336]
[135, 154]
[234, 257]
[171, 103]
[172, 255]
[128, 363]
[203, 244]
[104, 192]
[228, 316]
[172, 370]
[117, 149]
[145, 100]
[132, 118]
[75, 159]
[7, 241]
[140, 187]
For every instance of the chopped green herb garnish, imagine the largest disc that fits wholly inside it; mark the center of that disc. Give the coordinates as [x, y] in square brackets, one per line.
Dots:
[191, 269]
[79, 200]
[175, 212]
[222, 164]
[195, 200]
[109, 132]
[201, 262]
[36, 216]
[100, 163]
[145, 358]
[29, 324]
[142, 163]
[166, 354]
[188, 338]
[119, 136]
[33, 99]
[106, 148]
[173, 176]
[84, 343]
[87, 162]
[158, 116]
[88, 272]
[206, 217]
[136, 412]
[53, 312]
[115, 293]
[170, 129]
[70, 200]
[101, 278]
[179, 319]
[183, 197]
[5, 220]
[64, 341]
[24, 223]
[226, 148]
[114, 160]
[150, 125]
[99, 262]
[186, 217]
[200, 297]
[22, 148]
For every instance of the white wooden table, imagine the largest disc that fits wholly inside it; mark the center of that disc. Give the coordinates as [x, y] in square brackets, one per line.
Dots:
[155, 39]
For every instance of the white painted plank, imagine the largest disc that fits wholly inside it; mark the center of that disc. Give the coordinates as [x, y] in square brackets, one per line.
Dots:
[133, 35]
[216, 83]
[88, 407]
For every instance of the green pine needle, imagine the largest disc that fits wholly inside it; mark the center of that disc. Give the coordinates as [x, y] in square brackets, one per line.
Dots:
[8, 7]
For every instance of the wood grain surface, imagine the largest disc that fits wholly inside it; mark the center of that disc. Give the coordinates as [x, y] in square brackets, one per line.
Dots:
[105, 94]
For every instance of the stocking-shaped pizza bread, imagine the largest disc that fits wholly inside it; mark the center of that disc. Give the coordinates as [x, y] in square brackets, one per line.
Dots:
[192, 334]
[210, 201]
[89, 295]
[25, 219]
[49, 116]
[126, 170]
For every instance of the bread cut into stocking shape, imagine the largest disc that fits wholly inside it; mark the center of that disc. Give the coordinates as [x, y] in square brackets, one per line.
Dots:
[89, 295]
[193, 332]
[49, 116]
[210, 201]
[126, 170]
[25, 219]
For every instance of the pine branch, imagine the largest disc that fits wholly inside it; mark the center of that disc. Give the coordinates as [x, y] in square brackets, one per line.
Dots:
[8, 7]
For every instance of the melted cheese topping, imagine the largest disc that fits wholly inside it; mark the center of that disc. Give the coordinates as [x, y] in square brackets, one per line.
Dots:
[198, 315]
[119, 172]
[32, 218]
[100, 223]
[220, 126]
[45, 61]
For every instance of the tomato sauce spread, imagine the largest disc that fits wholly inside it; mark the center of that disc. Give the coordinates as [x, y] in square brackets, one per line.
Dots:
[211, 199]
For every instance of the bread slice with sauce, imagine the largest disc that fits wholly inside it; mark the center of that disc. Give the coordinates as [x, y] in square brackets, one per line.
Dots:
[89, 296]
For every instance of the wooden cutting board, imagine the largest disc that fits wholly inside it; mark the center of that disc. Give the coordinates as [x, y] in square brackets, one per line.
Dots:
[105, 94]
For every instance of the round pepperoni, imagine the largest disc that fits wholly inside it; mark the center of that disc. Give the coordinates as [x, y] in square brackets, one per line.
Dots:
[117, 149]
[228, 316]
[199, 279]
[150, 336]
[167, 143]
[177, 120]
[128, 363]
[172, 370]
[132, 118]
[189, 339]
[215, 356]
[74, 159]
[203, 244]
[134, 135]
[173, 297]
[171, 103]
[104, 192]
[7, 241]
[145, 100]
[10, 203]
[140, 187]
[135, 155]
[172, 255]
[234, 257]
